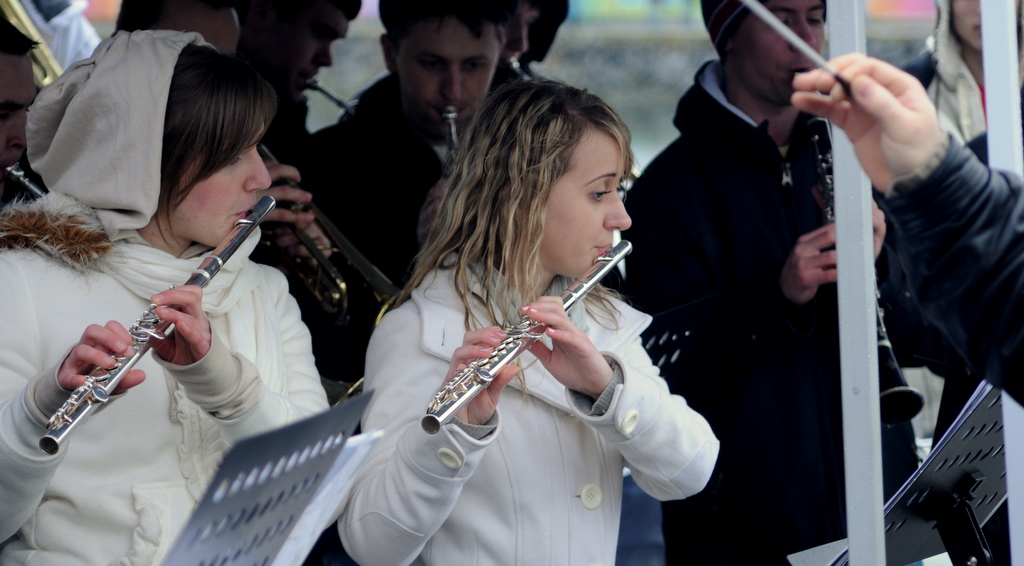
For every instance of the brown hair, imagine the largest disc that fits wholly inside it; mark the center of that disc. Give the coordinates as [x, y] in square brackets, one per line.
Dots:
[217, 108]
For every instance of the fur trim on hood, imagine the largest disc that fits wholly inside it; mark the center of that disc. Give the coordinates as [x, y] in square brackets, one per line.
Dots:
[56, 226]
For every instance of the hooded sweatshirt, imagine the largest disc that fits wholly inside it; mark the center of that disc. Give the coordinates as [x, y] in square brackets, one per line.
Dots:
[953, 90]
[121, 488]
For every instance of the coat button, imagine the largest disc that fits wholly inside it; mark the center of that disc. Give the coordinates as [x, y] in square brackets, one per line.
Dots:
[591, 496]
[629, 422]
[449, 458]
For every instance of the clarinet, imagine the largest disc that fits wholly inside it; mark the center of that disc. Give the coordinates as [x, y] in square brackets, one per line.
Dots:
[898, 402]
[474, 378]
[98, 386]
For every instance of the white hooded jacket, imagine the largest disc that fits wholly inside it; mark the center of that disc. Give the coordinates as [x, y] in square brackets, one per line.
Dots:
[123, 486]
[953, 90]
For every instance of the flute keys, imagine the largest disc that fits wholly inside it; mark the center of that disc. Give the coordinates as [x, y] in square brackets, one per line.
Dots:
[99, 395]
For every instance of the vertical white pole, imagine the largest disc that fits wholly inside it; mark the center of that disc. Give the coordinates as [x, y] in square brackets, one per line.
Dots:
[1006, 152]
[857, 333]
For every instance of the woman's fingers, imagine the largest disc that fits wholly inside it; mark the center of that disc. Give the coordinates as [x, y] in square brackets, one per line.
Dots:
[192, 337]
[97, 348]
[572, 359]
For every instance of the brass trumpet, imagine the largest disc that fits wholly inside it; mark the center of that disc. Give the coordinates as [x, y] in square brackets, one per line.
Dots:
[45, 68]
[519, 72]
[319, 273]
[325, 282]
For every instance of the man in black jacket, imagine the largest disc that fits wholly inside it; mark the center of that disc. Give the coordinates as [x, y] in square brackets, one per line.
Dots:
[288, 42]
[17, 91]
[528, 38]
[371, 173]
[728, 232]
[438, 54]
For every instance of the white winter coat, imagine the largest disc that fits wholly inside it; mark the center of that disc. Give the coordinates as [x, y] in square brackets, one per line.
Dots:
[545, 487]
[127, 481]
[953, 90]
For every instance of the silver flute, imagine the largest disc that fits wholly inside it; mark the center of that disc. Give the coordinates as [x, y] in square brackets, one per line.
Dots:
[15, 173]
[100, 384]
[475, 377]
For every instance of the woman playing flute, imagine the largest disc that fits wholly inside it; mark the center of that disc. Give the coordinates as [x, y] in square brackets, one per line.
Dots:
[532, 476]
[149, 152]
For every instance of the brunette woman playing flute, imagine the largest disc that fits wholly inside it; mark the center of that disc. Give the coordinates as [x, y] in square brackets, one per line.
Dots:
[149, 152]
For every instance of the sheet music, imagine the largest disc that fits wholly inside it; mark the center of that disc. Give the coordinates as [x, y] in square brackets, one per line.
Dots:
[295, 475]
[326, 504]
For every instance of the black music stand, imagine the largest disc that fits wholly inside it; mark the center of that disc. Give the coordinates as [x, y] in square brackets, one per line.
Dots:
[671, 338]
[961, 484]
[262, 489]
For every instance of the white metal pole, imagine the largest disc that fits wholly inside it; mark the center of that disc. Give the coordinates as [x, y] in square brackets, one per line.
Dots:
[1006, 152]
[858, 340]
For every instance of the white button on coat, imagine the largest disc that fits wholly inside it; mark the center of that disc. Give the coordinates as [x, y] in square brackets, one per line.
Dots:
[628, 424]
[449, 458]
[591, 496]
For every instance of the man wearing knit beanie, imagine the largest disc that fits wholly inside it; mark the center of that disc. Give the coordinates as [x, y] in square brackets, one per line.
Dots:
[731, 254]
[722, 17]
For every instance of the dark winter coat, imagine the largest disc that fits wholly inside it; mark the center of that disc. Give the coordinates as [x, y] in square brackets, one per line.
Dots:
[714, 218]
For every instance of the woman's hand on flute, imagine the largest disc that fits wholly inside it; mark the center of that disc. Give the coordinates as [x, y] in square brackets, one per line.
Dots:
[477, 344]
[192, 336]
[573, 359]
[96, 349]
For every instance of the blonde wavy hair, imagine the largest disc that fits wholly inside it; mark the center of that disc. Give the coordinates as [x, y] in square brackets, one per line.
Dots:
[494, 202]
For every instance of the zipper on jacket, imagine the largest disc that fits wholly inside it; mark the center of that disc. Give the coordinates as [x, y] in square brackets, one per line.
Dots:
[787, 175]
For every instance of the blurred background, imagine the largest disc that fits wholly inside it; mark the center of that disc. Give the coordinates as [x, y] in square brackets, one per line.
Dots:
[639, 55]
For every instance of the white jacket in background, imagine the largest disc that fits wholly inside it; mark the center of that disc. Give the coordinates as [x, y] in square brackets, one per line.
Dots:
[953, 90]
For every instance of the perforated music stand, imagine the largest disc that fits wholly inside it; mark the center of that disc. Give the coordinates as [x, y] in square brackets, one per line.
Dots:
[262, 488]
[961, 484]
[671, 338]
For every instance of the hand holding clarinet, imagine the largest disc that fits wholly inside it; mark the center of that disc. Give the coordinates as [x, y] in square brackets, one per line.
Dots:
[890, 120]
